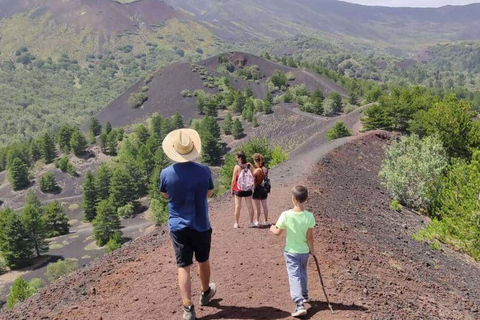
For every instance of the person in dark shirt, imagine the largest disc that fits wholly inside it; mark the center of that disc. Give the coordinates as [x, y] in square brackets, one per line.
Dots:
[187, 185]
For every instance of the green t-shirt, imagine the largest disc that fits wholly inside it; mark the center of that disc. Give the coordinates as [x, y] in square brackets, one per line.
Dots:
[296, 224]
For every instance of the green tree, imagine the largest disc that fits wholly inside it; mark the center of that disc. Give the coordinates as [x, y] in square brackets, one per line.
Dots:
[177, 121]
[114, 243]
[18, 174]
[337, 101]
[145, 161]
[89, 197]
[103, 141]
[156, 127]
[47, 148]
[123, 188]
[78, 143]
[95, 127]
[267, 107]
[237, 130]
[32, 220]
[48, 182]
[108, 127]
[20, 291]
[64, 136]
[339, 130]
[15, 243]
[32, 199]
[142, 134]
[112, 142]
[159, 208]
[54, 220]
[269, 98]
[35, 153]
[228, 124]
[106, 223]
[254, 122]
[352, 98]
[102, 182]
[411, 168]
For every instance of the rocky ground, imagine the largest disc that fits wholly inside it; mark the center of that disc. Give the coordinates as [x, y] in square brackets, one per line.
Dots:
[372, 267]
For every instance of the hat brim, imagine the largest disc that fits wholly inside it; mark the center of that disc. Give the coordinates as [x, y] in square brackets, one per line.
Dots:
[173, 155]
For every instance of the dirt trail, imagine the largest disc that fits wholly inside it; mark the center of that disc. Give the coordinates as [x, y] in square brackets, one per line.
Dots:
[372, 267]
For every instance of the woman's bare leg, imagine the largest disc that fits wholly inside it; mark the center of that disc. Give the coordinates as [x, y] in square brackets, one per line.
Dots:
[251, 212]
[258, 204]
[238, 207]
[265, 209]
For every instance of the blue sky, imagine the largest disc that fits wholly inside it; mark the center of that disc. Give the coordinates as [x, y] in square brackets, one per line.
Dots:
[413, 3]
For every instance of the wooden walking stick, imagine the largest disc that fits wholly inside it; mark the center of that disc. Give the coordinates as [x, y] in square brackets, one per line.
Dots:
[321, 281]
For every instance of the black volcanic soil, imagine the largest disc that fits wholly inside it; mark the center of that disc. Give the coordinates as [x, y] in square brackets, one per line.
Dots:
[372, 267]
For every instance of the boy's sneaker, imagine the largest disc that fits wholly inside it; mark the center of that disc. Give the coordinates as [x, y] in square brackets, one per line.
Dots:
[306, 299]
[252, 225]
[189, 313]
[235, 226]
[256, 223]
[299, 311]
[206, 298]
[266, 224]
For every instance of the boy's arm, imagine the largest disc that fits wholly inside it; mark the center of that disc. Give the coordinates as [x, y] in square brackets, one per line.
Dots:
[310, 240]
[275, 230]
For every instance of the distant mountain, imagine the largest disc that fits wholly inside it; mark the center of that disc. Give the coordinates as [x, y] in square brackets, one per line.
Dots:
[272, 19]
[81, 27]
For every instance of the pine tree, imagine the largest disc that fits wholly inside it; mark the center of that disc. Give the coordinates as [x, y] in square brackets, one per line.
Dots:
[146, 162]
[32, 199]
[106, 223]
[112, 142]
[78, 143]
[15, 244]
[177, 121]
[48, 182]
[89, 197]
[102, 141]
[142, 134]
[228, 124]
[211, 149]
[54, 220]
[35, 153]
[47, 148]
[237, 130]
[108, 127]
[95, 127]
[32, 220]
[269, 98]
[20, 291]
[123, 188]
[63, 138]
[18, 174]
[267, 107]
[249, 92]
[254, 122]
[239, 103]
[102, 182]
[156, 127]
[161, 160]
[92, 138]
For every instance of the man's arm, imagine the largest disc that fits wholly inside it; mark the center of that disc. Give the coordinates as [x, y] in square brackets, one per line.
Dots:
[310, 240]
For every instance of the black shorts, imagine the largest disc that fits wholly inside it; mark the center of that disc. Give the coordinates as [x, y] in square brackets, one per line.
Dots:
[243, 194]
[259, 193]
[186, 242]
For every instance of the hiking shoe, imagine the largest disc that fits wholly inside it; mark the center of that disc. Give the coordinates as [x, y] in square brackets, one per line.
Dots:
[251, 225]
[299, 311]
[306, 299]
[255, 223]
[235, 226]
[206, 298]
[189, 313]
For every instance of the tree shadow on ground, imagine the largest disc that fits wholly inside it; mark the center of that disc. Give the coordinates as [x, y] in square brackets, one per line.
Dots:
[317, 306]
[236, 312]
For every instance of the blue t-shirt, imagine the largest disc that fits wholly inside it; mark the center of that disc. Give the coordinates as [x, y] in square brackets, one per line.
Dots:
[187, 186]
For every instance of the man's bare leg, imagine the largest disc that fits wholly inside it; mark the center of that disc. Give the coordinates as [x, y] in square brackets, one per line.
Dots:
[185, 284]
[204, 271]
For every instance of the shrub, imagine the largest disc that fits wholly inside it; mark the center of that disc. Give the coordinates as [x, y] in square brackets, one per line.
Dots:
[411, 167]
[126, 211]
[136, 100]
[159, 209]
[114, 243]
[187, 93]
[278, 156]
[60, 268]
[48, 183]
[395, 205]
[339, 130]
[20, 291]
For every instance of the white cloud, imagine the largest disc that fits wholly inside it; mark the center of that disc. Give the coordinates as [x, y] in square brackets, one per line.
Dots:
[412, 3]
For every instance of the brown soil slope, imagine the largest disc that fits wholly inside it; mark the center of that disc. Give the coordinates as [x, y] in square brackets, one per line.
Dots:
[164, 94]
[372, 268]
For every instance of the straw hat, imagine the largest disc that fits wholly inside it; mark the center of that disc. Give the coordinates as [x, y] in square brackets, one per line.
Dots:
[182, 145]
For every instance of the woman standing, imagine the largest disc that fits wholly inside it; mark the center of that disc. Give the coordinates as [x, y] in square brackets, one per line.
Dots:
[242, 188]
[260, 194]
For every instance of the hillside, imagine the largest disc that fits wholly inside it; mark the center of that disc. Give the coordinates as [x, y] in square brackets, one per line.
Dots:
[166, 86]
[80, 28]
[273, 19]
[372, 267]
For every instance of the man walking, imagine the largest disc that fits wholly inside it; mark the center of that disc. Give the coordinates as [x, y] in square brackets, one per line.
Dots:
[187, 186]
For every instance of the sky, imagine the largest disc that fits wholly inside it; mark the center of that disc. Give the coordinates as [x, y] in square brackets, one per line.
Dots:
[413, 3]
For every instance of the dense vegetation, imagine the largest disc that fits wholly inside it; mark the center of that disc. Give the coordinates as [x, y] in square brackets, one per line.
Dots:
[436, 168]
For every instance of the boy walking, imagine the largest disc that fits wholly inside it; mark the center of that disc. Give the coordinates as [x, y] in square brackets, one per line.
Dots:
[298, 224]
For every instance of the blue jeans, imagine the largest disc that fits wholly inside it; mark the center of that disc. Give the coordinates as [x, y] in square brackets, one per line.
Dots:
[297, 275]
